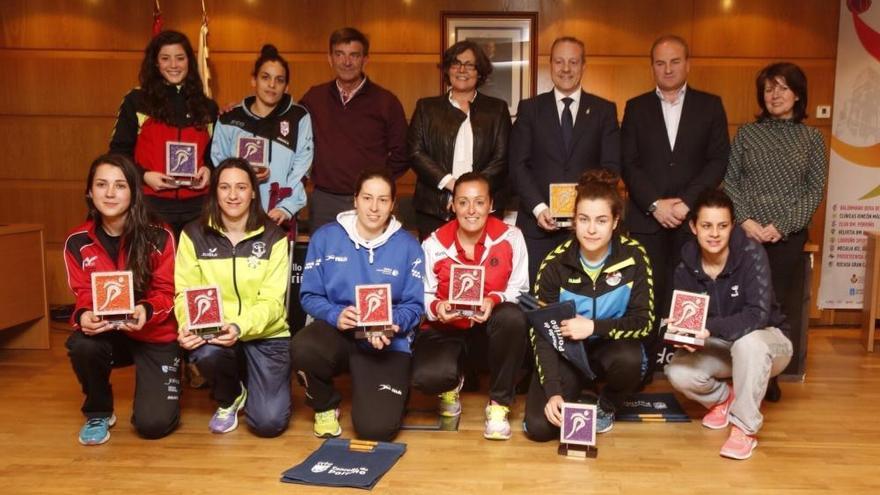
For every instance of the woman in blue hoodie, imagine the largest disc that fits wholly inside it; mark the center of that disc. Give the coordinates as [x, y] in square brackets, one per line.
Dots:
[270, 114]
[366, 245]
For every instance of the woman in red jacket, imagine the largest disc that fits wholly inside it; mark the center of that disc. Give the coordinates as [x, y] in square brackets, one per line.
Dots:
[169, 106]
[120, 235]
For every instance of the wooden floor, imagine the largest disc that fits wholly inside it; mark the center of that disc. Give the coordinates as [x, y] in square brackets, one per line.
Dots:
[824, 436]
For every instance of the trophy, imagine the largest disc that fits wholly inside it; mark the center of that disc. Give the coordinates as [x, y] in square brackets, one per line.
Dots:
[466, 289]
[113, 297]
[562, 198]
[204, 311]
[687, 316]
[373, 303]
[181, 162]
[577, 436]
[255, 150]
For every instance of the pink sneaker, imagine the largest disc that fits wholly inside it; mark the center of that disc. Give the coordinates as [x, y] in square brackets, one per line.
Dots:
[739, 445]
[719, 416]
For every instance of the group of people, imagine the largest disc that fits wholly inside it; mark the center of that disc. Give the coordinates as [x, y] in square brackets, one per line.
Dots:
[231, 227]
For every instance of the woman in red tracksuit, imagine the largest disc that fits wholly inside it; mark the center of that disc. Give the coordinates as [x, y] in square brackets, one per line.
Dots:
[169, 106]
[119, 235]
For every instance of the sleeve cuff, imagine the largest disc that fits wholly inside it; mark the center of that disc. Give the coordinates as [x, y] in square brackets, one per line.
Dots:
[538, 209]
[445, 180]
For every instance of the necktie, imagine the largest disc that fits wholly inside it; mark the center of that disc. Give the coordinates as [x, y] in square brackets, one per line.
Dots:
[567, 123]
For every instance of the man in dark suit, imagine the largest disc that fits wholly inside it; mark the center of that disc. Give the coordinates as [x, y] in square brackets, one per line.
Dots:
[675, 144]
[557, 136]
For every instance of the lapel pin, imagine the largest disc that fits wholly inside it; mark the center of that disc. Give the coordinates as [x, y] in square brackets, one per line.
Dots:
[587, 111]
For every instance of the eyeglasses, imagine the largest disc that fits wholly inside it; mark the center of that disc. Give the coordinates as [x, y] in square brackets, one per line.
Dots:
[458, 65]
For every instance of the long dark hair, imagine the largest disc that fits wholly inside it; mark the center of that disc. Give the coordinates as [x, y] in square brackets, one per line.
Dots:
[794, 78]
[158, 105]
[212, 215]
[141, 234]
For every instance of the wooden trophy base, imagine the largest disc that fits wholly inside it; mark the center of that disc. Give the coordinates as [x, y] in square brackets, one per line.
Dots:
[183, 181]
[207, 333]
[577, 451]
[683, 339]
[376, 331]
[117, 321]
[466, 310]
[563, 223]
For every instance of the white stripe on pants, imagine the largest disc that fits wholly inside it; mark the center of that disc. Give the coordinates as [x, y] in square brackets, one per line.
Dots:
[751, 360]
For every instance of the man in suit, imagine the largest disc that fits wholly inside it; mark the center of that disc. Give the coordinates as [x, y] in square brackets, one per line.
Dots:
[557, 136]
[675, 145]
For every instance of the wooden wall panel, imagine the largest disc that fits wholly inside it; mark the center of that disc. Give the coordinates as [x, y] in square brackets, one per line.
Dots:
[65, 66]
[758, 28]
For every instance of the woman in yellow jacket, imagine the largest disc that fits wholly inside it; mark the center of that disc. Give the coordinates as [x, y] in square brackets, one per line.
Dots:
[236, 247]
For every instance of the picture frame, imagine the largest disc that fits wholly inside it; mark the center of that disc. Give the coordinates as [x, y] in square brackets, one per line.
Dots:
[510, 40]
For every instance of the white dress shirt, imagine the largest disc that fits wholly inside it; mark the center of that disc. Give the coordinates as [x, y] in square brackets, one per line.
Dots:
[672, 113]
[560, 106]
[463, 152]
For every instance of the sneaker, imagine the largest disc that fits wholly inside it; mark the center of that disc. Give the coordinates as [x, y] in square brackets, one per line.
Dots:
[497, 426]
[719, 416]
[96, 430]
[604, 420]
[739, 445]
[327, 424]
[226, 418]
[450, 402]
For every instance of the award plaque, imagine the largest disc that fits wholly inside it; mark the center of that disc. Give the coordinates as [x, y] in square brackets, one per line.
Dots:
[181, 162]
[113, 297]
[562, 198]
[577, 436]
[687, 316]
[204, 311]
[253, 149]
[466, 284]
[373, 303]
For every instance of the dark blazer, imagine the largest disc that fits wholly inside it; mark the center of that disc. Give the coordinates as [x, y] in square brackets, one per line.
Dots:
[431, 145]
[538, 158]
[651, 170]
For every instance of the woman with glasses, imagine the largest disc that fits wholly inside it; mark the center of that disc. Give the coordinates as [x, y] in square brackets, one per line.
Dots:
[454, 133]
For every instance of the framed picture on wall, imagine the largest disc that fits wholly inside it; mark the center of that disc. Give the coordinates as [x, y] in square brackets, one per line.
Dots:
[509, 40]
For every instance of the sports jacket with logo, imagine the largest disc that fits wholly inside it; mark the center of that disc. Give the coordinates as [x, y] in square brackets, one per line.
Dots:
[741, 298]
[620, 302]
[142, 137]
[253, 276]
[338, 259]
[504, 258]
[84, 255]
[289, 131]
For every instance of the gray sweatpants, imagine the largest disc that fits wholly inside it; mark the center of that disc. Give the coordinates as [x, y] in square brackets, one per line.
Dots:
[751, 361]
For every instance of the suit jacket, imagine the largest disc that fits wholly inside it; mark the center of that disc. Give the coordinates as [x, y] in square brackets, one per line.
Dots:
[537, 156]
[652, 171]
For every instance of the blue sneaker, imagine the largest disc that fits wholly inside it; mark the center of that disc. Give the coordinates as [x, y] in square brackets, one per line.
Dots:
[225, 419]
[604, 420]
[96, 430]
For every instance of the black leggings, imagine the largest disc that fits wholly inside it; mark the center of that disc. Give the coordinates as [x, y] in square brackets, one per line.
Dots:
[617, 362]
[438, 354]
[156, 409]
[379, 379]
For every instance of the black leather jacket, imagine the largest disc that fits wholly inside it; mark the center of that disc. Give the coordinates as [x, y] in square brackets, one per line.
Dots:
[431, 142]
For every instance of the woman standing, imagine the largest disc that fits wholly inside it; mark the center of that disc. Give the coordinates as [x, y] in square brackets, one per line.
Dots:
[454, 133]
[363, 246]
[776, 176]
[120, 235]
[271, 114]
[169, 106]
[607, 276]
[235, 247]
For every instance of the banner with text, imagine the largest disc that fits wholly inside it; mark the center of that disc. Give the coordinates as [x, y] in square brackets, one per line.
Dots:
[853, 205]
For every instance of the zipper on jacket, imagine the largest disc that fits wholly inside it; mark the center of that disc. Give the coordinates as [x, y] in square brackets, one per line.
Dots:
[235, 281]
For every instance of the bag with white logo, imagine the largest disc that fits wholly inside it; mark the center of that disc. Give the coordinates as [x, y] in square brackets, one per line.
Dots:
[339, 463]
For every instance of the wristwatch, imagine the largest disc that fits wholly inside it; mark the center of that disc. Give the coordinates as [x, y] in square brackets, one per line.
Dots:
[653, 207]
